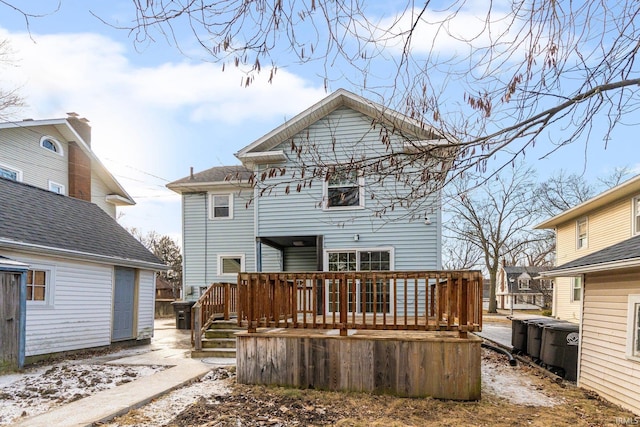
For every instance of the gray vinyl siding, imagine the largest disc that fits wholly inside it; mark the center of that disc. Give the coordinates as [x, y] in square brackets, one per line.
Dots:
[20, 149]
[205, 239]
[300, 259]
[416, 245]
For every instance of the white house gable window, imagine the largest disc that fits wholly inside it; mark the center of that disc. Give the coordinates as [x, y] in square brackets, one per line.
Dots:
[230, 265]
[524, 284]
[51, 144]
[10, 173]
[221, 206]
[633, 327]
[344, 190]
[636, 215]
[581, 233]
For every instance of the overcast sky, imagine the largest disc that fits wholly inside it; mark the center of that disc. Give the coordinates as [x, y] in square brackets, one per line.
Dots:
[156, 112]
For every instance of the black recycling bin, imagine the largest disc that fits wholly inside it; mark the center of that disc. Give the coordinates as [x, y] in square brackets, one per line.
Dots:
[519, 336]
[183, 313]
[560, 348]
[534, 335]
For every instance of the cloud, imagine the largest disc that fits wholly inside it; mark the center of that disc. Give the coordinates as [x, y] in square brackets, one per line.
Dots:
[147, 119]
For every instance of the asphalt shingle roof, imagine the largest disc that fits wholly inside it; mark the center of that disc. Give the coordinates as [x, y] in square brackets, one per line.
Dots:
[528, 269]
[625, 250]
[217, 174]
[34, 216]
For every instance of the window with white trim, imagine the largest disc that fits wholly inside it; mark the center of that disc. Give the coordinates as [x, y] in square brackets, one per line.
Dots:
[363, 297]
[39, 285]
[581, 233]
[344, 190]
[576, 289]
[51, 144]
[56, 188]
[230, 264]
[524, 284]
[636, 215]
[9, 172]
[221, 206]
[633, 327]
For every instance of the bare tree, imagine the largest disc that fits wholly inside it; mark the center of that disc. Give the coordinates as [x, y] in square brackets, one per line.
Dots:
[167, 250]
[460, 254]
[491, 77]
[495, 217]
[10, 100]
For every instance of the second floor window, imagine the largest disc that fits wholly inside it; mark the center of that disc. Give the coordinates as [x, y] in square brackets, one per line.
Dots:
[524, 284]
[581, 232]
[636, 215]
[10, 173]
[221, 206]
[343, 190]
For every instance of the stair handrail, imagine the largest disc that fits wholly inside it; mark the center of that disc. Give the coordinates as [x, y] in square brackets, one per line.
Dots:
[219, 300]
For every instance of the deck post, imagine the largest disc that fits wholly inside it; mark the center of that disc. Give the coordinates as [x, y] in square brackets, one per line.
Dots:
[343, 307]
[227, 300]
[197, 326]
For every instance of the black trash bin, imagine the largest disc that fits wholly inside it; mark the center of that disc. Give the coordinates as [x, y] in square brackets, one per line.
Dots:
[560, 349]
[182, 310]
[519, 336]
[534, 335]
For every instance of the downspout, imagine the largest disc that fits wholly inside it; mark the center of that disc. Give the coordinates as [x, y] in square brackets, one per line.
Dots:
[206, 240]
[584, 287]
[23, 319]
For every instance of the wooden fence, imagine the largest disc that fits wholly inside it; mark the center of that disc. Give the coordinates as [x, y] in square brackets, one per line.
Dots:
[416, 300]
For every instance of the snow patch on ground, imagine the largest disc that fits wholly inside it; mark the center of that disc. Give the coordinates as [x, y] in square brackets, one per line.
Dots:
[512, 383]
[39, 389]
[166, 408]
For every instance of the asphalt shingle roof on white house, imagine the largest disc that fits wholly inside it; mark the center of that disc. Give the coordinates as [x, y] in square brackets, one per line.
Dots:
[37, 220]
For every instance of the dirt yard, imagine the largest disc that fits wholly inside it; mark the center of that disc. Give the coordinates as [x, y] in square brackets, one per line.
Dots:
[512, 396]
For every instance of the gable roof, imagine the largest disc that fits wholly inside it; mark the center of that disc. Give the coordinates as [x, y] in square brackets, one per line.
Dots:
[628, 188]
[624, 254]
[70, 133]
[339, 98]
[37, 220]
[531, 270]
[216, 176]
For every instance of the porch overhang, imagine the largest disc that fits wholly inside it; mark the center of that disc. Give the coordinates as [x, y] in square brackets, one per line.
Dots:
[281, 242]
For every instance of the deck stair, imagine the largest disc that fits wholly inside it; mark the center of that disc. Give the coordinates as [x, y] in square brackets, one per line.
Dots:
[219, 340]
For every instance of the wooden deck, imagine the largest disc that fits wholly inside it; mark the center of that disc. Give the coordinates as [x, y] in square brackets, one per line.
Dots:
[402, 363]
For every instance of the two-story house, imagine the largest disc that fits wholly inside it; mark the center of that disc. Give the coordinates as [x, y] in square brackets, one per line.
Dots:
[601, 221]
[232, 223]
[598, 244]
[522, 288]
[87, 282]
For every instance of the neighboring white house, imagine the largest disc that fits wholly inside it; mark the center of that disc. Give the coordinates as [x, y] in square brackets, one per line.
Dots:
[522, 287]
[330, 224]
[89, 282]
[55, 154]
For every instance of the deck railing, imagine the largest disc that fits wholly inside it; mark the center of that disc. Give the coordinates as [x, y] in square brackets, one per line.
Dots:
[220, 300]
[416, 300]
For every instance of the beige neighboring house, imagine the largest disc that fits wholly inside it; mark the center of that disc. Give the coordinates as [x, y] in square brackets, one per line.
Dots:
[608, 301]
[602, 221]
